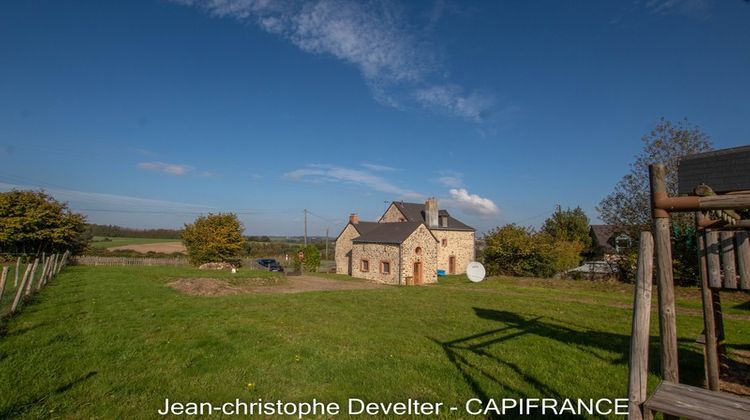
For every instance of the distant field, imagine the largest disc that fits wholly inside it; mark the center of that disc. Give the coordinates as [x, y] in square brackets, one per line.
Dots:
[99, 242]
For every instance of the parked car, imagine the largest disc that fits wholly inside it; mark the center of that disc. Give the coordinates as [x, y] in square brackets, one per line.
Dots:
[270, 264]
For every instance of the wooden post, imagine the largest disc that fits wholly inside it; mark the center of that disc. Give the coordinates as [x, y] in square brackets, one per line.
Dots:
[18, 268]
[638, 373]
[709, 324]
[727, 260]
[31, 277]
[3, 277]
[713, 260]
[663, 251]
[45, 272]
[743, 258]
[19, 291]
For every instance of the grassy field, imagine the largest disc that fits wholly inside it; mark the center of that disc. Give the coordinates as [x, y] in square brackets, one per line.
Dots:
[99, 242]
[116, 341]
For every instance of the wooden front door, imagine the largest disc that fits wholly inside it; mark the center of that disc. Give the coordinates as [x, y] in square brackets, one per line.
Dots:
[451, 265]
[417, 273]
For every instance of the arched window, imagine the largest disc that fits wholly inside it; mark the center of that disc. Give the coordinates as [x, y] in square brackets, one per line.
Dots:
[418, 250]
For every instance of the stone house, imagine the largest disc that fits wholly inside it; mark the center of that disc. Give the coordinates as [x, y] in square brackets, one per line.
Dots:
[407, 245]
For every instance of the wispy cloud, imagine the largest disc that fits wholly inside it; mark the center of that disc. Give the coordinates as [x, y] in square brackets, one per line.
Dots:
[452, 99]
[472, 203]
[167, 168]
[693, 8]
[92, 201]
[331, 173]
[451, 179]
[377, 168]
[400, 67]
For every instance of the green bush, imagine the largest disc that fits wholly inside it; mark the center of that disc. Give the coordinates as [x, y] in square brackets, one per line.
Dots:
[214, 238]
[311, 260]
[521, 251]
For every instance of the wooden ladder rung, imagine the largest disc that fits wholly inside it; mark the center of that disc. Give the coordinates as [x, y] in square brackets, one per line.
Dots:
[697, 403]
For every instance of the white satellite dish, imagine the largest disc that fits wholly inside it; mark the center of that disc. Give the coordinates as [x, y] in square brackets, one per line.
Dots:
[475, 271]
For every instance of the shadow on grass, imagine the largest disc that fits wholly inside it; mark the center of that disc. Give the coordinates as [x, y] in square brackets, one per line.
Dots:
[21, 407]
[459, 352]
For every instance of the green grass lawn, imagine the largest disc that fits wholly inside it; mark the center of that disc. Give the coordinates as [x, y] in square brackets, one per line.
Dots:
[100, 242]
[116, 341]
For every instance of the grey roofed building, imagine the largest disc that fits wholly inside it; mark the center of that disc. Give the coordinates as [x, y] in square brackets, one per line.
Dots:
[607, 239]
[415, 212]
[387, 233]
[723, 170]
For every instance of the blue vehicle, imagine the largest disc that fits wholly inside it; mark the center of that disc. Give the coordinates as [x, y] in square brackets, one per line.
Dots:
[270, 264]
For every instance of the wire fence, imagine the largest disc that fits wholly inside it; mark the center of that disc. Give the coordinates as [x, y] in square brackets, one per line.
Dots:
[22, 279]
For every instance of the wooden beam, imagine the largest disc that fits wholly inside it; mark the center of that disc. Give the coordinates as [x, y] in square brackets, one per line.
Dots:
[665, 277]
[727, 260]
[712, 259]
[743, 258]
[638, 368]
[709, 323]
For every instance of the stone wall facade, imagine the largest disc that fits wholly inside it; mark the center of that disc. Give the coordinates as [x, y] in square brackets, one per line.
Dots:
[459, 244]
[375, 255]
[422, 238]
[392, 215]
[343, 250]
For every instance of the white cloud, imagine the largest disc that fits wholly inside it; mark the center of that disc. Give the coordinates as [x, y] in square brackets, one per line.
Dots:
[331, 173]
[451, 179]
[167, 168]
[472, 203]
[373, 36]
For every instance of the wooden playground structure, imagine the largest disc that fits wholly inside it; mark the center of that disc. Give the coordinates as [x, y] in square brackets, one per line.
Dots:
[715, 186]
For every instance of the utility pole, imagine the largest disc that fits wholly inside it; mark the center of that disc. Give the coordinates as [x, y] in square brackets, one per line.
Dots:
[326, 243]
[305, 227]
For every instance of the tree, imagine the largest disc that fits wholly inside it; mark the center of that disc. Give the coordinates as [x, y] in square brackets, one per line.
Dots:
[628, 206]
[311, 260]
[214, 238]
[34, 222]
[568, 225]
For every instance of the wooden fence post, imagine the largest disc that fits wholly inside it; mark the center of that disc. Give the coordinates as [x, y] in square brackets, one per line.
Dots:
[709, 323]
[19, 291]
[743, 258]
[18, 268]
[713, 259]
[31, 277]
[727, 260]
[665, 276]
[45, 271]
[3, 277]
[638, 373]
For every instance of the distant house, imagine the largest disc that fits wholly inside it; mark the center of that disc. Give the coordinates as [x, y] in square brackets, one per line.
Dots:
[607, 241]
[407, 245]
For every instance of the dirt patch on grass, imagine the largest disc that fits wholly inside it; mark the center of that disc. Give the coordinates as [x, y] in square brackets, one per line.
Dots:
[205, 287]
[162, 247]
[296, 284]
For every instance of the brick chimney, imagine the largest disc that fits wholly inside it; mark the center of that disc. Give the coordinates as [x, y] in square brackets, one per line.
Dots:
[431, 212]
[353, 218]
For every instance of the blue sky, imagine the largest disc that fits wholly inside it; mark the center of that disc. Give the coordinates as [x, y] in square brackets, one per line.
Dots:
[148, 113]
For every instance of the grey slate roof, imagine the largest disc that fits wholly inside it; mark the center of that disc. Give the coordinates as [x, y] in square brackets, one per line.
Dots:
[414, 212]
[601, 235]
[365, 227]
[388, 233]
[723, 170]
